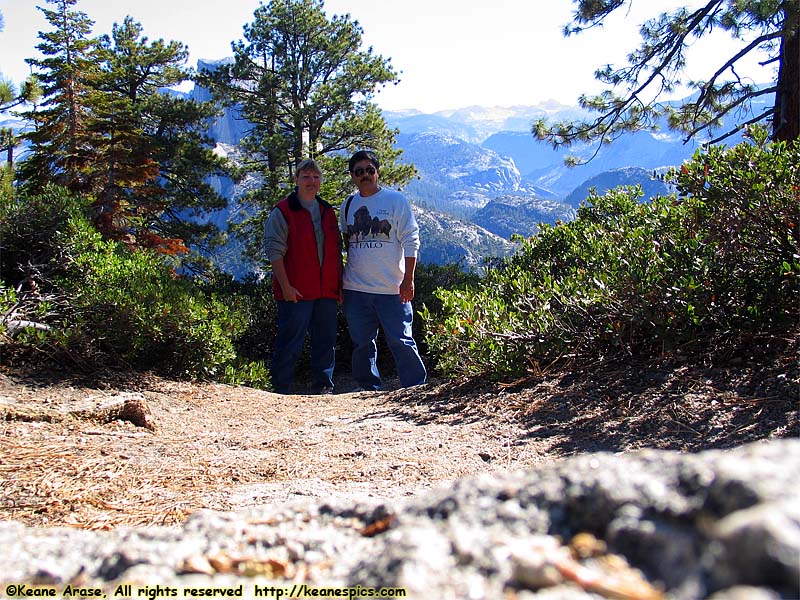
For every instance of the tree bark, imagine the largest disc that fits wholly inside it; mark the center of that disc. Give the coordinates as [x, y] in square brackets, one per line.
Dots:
[786, 119]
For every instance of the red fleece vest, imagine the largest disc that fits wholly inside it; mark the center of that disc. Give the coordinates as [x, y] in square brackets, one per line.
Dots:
[311, 279]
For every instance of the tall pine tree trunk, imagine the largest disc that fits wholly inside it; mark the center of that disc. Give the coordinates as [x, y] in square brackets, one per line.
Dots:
[7, 144]
[786, 122]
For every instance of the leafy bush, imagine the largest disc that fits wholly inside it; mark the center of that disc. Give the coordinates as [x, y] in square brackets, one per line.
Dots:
[102, 303]
[255, 303]
[717, 261]
[31, 261]
[6, 182]
[133, 306]
[255, 306]
[428, 279]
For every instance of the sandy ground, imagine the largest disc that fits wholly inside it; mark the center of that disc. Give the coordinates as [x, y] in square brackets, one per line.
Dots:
[97, 453]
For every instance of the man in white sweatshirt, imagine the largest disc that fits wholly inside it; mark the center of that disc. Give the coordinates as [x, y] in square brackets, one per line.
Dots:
[382, 239]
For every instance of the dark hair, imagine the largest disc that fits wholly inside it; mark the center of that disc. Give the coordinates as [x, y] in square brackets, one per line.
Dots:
[363, 155]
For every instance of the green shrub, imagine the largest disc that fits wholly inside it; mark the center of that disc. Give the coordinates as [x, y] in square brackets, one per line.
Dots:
[30, 263]
[680, 272]
[255, 306]
[103, 303]
[133, 306]
[6, 183]
[428, 279]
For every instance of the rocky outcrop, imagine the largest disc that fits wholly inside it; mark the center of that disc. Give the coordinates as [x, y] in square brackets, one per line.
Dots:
[522, 215]
[649, 524]
[627, 176]
[450, 241]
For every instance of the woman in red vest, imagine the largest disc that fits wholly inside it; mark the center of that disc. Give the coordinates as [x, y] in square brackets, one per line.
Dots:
[303, 245]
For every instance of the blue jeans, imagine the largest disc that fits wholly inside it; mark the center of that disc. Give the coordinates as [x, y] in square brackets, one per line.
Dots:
[318, 317]
[365, 313]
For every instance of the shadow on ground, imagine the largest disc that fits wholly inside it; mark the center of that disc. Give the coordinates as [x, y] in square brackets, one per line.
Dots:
[626, 405]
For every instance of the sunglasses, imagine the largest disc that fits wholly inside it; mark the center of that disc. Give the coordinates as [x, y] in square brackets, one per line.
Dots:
[360, 171]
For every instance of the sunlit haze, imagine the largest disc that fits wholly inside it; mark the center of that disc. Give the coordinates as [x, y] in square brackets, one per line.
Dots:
[449, 53]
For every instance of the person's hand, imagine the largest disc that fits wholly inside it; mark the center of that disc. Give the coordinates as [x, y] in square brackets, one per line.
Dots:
[290, 294]
[407, 290]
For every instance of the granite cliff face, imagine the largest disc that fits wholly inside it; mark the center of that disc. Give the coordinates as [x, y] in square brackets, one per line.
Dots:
[626, 176]
[510, 215]
[448, 240]
[230, 128]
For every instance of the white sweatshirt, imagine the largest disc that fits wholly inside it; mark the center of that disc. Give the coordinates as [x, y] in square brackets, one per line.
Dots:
[381, 231]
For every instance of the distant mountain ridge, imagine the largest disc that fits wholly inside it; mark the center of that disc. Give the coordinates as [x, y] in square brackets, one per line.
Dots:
[483, 177]
[504, 133]
[484, 166]
[476, 123]
[507, 216]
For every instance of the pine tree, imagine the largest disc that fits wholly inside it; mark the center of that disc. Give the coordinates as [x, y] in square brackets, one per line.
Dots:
[156, 155]
[305, 85]
[9, 98]
[107, 130]
[656, 67]
[61, 145]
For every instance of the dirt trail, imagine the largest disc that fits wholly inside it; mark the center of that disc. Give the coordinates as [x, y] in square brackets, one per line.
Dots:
[224, 447]
[140, 450]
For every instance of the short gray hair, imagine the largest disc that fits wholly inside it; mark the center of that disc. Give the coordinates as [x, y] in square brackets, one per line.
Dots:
[308, 164]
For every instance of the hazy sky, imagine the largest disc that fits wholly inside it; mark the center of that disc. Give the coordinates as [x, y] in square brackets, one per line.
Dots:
[449, 53]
